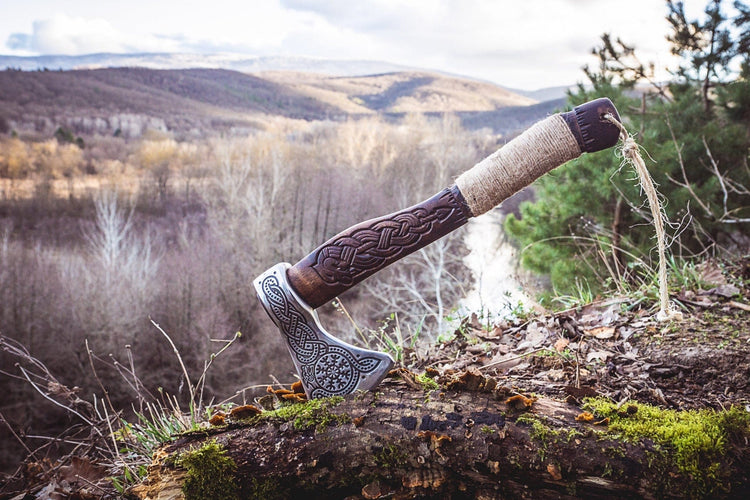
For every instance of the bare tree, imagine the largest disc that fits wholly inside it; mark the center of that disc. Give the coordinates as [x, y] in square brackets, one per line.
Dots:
[426, 286]
[114, 281]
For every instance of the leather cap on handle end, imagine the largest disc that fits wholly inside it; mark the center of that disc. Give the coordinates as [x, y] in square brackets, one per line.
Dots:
[592, 131]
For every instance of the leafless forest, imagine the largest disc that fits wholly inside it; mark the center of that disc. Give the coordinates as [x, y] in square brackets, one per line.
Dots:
[97, 242]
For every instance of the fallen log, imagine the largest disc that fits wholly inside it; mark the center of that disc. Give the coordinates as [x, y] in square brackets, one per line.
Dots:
[467, 438]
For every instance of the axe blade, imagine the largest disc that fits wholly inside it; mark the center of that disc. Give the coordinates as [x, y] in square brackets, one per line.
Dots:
[326, 365]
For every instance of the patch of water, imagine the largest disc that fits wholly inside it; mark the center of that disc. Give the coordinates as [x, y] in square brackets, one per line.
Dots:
[498, 288]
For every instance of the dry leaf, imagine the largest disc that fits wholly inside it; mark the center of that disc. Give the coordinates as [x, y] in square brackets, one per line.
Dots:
[727, 291]
[555, 374]
[602, 332]
[710, 273]
[554, 471]
[520, 402]
[601, 355]
[561, 344]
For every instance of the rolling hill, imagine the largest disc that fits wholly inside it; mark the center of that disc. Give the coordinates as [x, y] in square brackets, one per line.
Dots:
[205, 101]
[401, 92]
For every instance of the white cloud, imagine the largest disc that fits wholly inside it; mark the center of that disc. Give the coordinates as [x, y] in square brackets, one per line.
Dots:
[77, 35]
[19, 41]
[529, 44]
[525, 43]
[370, 16]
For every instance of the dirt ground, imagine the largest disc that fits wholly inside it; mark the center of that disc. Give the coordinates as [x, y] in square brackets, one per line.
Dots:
[617, 349]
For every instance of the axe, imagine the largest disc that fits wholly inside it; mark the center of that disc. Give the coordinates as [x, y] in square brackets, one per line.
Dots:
[290, 294]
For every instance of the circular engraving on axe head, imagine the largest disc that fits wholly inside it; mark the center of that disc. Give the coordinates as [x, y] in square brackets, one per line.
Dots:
[334, 373]
[327, 366]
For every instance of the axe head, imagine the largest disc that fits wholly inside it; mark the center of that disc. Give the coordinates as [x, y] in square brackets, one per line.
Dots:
[326, 365]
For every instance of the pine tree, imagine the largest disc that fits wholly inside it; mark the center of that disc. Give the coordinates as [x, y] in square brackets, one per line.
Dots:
[588, 229]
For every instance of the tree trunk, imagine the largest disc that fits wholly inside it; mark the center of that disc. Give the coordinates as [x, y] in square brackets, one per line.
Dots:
[468, 439]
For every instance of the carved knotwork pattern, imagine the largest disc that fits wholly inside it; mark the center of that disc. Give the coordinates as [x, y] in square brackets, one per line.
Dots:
[368, 249]
[326, 369]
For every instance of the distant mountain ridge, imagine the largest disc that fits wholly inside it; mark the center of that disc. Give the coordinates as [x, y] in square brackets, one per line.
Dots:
[400, 92]
[236, 62]
[129, 100]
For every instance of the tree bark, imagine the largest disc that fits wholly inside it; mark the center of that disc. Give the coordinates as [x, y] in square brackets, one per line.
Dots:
[470, 439]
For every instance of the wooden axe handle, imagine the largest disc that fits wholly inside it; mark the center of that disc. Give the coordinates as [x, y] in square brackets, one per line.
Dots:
[364, 249]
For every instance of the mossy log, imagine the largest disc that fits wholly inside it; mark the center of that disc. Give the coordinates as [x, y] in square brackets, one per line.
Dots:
[469, 439]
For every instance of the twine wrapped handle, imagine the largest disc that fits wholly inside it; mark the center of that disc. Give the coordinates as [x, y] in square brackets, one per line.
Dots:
[546, 145]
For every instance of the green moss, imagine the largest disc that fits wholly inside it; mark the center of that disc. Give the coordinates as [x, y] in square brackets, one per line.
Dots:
[526, 419]
[694, 442]
[310, 414]
[571, 434]
[544, 435]
[210, 473]
[540, 432]
[391, 456]
[427, 382]
[615, 451]
[486, 429]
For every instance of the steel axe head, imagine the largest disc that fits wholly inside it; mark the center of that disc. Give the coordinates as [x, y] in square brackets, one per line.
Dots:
[326, 365]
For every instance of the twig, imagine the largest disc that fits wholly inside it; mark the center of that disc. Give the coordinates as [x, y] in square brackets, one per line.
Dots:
[276, 381]
[179, 359]
[5, 421]
[94, 485]
[57, 440]
[354, 323]
[96, 376]
[131, 362]
[47, 397]
[715, 167]
[686, 184]
[520, 356]
[739, 305]
[124, 373]
[240, 392]
[202, 380]
[723, 182]
[112, 433]
[726, 217]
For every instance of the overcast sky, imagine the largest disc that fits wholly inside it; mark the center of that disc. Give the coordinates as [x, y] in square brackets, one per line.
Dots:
[526, 44]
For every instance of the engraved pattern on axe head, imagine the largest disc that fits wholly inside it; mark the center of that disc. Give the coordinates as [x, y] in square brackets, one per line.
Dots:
[327, 366]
